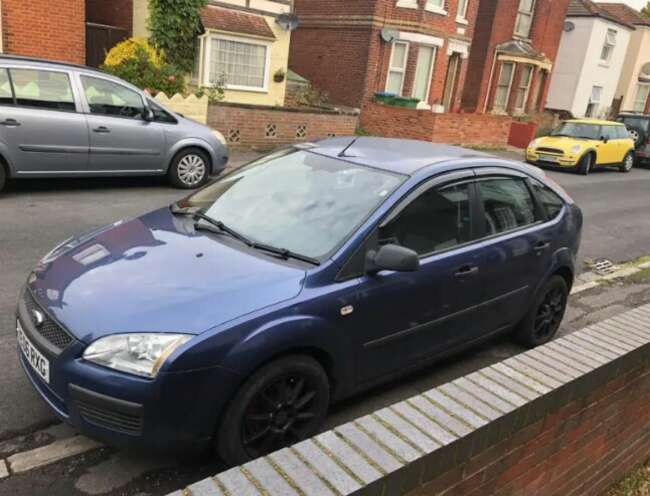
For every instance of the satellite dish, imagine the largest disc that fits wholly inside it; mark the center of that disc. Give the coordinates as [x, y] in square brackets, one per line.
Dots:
[389, 35]
[569, 26]
[288, 22]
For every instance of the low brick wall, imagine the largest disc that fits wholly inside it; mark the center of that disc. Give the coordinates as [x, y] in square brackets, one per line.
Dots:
[455, 128]
[267, 127]
[568, 418]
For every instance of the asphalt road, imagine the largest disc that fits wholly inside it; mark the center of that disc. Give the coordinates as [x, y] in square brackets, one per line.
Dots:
[37, 214]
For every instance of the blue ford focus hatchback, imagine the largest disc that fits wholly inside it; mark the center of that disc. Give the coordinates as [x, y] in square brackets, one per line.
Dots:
[234, 317]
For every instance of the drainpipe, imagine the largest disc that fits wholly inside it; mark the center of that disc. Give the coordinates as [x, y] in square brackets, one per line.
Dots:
[489, 87]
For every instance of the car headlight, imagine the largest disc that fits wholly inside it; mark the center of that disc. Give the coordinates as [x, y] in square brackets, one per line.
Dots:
[576, 148]
[139, 353]
[533, 144]
[220, 137]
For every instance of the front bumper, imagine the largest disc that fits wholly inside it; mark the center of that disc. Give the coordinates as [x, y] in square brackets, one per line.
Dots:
[175, 412]
[547, 160]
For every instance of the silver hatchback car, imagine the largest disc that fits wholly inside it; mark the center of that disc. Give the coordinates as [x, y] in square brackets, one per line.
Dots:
[60, 120]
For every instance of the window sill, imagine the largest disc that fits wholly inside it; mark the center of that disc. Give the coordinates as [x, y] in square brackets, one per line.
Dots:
[405, 4]
[247, 89]
[435, 10]
[604, 64]
[462, 20]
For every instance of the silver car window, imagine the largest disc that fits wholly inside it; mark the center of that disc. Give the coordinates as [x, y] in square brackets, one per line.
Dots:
[6, 93]
[108, 98]
[43, 89]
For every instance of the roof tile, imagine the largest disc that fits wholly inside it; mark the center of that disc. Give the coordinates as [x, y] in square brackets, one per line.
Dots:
[233, 21]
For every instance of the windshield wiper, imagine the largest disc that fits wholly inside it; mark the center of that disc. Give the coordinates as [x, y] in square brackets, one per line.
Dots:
[221, 226]
[284, 253]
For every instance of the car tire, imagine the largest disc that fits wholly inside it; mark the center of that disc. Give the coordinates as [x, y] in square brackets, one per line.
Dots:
[543, 320]
[282, 403]
[638, 135]
[189, 169]
[3, 177]
[628, 162]
[585, 164]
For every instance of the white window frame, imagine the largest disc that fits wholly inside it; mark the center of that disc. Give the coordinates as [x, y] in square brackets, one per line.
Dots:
[435, 6]
[530, 14]
[610, 44]
[594, 101]
[637, 100]
[401, 70]
[431, 69]
[526, 89]
[461, 14]
[407, 4]
[239, 39]
[509, 93]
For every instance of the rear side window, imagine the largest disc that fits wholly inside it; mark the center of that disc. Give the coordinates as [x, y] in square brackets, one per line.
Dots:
[610, 132]
[622, 132]
[436, 220]
[507, 204]
[112, 99]
[6, 94]
[551, 202]
[43, 89]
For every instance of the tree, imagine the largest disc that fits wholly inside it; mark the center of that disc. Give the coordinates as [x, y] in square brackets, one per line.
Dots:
[174, 26]
[646, 10]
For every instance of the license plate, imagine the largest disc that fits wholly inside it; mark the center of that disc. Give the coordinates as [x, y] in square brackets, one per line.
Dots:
[35, 358]
[552, 160]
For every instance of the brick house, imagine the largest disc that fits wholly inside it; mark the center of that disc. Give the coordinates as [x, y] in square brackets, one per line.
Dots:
[45, 29]
[513, 51]
[414, 48]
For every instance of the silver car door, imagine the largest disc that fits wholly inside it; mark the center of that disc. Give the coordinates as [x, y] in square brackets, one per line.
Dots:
[121, 139]
[42, 131]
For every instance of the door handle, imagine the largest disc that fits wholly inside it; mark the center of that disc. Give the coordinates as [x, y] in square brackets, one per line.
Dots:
[101, 130]
[10, 123]
[466, 271]
[541, 246]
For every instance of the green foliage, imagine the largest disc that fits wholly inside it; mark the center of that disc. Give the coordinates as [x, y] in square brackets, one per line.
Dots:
[646, 10]
[145, 71]
[214, 93]
[174, 26]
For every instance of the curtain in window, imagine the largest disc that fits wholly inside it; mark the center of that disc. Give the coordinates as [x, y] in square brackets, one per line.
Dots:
[238, 63]
[422, 72]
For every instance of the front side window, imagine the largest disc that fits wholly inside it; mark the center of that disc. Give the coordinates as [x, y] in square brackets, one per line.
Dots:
[108, 98]
[524, 88]
[503, 86]
[238, 64]
[641, 97]
[397, 68]
[160, 114]
[610, 132]
[608, 46]
[524, 18]
[550, 201]
[437, 220]
[318, 203]
[43, 89]
[507, 204]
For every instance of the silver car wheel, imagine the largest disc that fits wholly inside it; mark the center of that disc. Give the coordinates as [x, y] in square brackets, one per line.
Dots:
[629, 162]
[191, 169]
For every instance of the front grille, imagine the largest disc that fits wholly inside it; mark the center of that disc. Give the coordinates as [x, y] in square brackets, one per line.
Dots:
[49, 329]
[554, 151]
[116, 421]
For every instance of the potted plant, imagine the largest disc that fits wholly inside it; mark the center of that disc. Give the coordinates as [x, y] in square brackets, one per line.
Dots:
[279, 76]
[385, 97]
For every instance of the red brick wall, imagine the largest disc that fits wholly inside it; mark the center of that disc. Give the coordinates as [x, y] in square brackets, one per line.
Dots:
[46, 29]
[251, 123]
[465, 129]
[582, 449]
[495, 24]
[111, 12]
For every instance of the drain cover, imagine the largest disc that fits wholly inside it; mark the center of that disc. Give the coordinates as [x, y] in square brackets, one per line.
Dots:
[602, 267]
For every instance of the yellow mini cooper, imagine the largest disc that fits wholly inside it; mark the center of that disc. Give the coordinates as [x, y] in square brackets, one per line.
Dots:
[582, 145]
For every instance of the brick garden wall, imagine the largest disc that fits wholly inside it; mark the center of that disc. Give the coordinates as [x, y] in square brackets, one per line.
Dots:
[46, 29]
[265, 128]
[465, 129]
[117, 13]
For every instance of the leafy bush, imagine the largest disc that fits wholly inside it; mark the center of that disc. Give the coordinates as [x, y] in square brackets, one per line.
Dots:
[137, 62]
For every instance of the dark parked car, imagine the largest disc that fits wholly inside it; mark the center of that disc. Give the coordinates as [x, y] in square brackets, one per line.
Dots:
[638, 125]
[237, 315]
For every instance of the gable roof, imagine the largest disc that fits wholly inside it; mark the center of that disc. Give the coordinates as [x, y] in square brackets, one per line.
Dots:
[626, 13]
[587, 8]
[236, 22]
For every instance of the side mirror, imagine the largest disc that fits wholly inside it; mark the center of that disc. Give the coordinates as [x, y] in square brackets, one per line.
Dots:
[147, 115]
[392, 257]
[604, 139]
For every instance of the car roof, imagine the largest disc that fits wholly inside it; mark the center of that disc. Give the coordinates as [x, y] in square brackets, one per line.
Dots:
[401, 156]
[595, 122]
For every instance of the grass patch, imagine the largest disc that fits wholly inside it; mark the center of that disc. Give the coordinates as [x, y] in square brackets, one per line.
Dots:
[642, 276]
[635, 484]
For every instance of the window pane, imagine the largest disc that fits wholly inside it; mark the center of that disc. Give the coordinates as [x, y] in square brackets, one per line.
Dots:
[394, 84]
[399, 56]
[551, 202]
[438, 219]
[526, 5]
[462, 8]
[506, 74]
[423, 71]
[508, 205]
[523, 24]
[596, 93]
[43, 89]
[238, 64]
[642, 92]
[108, 98]
[436, 3]
[604, 54]
[6, 95]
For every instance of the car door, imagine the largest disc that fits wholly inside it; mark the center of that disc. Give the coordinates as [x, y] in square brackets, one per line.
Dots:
[517, 245]
[409, 317]
[121, 139]
[42, 128]
[610, 148]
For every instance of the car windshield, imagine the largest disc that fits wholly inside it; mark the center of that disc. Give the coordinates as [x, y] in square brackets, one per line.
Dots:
[578, 130]
[296, 200]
